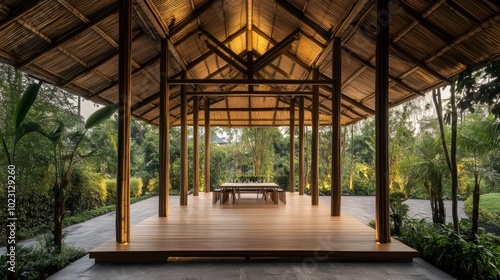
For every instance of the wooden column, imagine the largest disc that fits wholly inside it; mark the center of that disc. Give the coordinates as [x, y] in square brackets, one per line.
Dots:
[207, 147]
[164, 174]
[196, 150]
[124, 113]
[336, 136]
[292, 145]
[301, 146]
[184, 146]
[315, 143]
[383, 234]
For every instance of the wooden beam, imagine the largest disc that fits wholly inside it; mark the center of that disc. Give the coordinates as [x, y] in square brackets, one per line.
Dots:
[383, 233]
[72, 34]
[164, 126]
[222, 46]
[315, 143]
[184, 147]
[96, 65]
[351, 100]
[248, 82]
[265, 93]
[17, 13]
[301, 146]
[277, 50]
[176, 28]
[303, 18]
[206, 170]
[336, 186]
[226, 58]
[369, 65]
[146, 65]
[124, 114]
[292, 146]
[196, 148]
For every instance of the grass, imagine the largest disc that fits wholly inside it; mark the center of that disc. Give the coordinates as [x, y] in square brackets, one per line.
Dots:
[490, 202]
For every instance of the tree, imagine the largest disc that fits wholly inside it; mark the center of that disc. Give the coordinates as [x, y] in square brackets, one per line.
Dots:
[65, 149]
[479, 138]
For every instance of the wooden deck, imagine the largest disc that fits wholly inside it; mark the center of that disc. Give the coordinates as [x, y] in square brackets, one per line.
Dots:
[251, 229]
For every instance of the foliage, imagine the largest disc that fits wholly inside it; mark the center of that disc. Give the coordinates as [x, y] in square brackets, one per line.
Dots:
[398, 211]
[480, 87]
[87, 191]
[454, 253]
[135, 187]
[39, 262]
[488, 209]
[110, 191]
[283, 181]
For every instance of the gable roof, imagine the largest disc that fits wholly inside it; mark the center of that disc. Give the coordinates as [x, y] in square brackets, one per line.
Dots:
[73, 44]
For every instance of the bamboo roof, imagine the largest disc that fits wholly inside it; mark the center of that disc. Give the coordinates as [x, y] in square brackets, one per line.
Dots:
[74, 44]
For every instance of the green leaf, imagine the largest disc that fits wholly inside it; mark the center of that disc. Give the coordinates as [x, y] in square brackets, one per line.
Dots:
[101, 115]
[26, 128]
[55, 136]
[4, 145]
[25, 103]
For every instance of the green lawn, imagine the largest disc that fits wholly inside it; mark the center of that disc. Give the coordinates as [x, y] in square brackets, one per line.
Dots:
[491, 201]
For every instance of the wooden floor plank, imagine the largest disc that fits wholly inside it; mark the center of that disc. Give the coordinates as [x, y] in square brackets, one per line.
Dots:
[251, 228]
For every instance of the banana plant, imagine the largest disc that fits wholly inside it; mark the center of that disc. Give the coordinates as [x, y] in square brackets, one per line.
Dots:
[20, 112]
[65, 146]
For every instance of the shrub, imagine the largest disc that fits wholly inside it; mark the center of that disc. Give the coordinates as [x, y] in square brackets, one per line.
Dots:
[486, 216]
[87, 191]
[152, 186]
[40, 263]
[135, 187]
[111, 191]
[283, 181]
[398, 211]
[453, 253]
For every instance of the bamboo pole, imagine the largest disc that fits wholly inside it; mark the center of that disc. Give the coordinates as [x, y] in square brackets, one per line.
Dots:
[301, 145]
[184, 147]
[383, 234]
[164, 174]
[196, 150]
[315, 144]
[292, 146]
[207, 147]
[336, 186]
[124, 113]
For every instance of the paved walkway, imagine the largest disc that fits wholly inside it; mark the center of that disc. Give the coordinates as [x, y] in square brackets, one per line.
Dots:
[95, 231]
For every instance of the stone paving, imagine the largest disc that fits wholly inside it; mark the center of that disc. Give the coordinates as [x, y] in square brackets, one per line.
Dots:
[95, 231]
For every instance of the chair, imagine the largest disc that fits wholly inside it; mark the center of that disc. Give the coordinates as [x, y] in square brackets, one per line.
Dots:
[216, 196]
[281, 195]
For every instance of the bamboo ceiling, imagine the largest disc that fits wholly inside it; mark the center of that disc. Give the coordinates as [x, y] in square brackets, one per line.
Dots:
[74, 45]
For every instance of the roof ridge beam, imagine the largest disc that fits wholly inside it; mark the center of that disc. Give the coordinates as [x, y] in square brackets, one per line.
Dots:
[303, 18]
[96, 19]
[277, 50]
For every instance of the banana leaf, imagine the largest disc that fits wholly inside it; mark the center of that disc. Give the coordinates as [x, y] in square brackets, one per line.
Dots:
[27, 128]
[101, 115]
[25, 103]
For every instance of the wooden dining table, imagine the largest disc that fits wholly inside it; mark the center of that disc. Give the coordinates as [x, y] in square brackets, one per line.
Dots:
[236, 187]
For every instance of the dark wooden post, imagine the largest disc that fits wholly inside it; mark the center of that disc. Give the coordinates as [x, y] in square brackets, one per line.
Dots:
[383, 234]
[315, 143]
[336, 154]
[184, 146]
[124, 113]
[301, 146]
[292, 145]
[207, 147]
[196, 150]
[164, 174]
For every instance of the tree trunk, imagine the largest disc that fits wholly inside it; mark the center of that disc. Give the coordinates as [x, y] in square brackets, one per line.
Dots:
[453, 155]
[475, 207]
[58, 218]
[440, 202]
